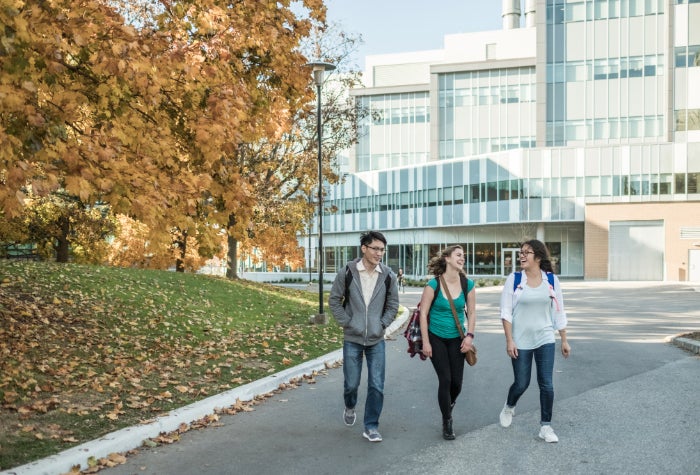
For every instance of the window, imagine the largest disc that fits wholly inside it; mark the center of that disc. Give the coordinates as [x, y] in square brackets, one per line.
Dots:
[600, 9]
[459, 195]
[474, 196]
[447, 196]
[693, 182]
[516, 189]
[679, 183]
[635, 67]
[681, 57]
[650, 65]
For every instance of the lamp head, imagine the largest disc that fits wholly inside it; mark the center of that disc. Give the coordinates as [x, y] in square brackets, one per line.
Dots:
[318, 68]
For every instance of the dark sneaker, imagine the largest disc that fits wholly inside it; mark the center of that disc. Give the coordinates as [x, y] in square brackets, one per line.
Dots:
[372, 435]
[448, 432]
[349, 416]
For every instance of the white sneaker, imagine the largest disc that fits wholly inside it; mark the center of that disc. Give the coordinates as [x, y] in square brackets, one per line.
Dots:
[547, 434]
[506, 415]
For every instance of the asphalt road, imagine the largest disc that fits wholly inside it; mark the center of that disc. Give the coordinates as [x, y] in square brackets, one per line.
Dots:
[626, 402]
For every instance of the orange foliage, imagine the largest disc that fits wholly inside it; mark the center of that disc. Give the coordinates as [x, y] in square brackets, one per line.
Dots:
[147, 120]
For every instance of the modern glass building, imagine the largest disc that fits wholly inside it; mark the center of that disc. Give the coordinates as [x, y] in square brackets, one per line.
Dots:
[578, 123]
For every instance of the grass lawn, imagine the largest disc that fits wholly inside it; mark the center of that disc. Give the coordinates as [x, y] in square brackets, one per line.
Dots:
[86, 350]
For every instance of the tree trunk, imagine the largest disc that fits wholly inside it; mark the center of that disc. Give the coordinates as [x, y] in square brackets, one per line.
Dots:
[232, 258]
[182, 245]
[62, 245]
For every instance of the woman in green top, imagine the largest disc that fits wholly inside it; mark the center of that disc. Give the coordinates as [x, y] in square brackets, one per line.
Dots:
[441, 340]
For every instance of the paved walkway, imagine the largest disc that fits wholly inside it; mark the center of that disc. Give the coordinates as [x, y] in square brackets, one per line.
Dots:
[626, 403]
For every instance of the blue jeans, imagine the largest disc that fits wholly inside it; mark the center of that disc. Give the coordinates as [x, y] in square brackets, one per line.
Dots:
[352, 370]
[522, 369]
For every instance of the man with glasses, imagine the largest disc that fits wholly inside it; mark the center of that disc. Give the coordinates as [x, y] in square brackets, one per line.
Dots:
[364, 300]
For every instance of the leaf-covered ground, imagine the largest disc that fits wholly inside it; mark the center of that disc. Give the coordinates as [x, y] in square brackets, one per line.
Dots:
[85, 350]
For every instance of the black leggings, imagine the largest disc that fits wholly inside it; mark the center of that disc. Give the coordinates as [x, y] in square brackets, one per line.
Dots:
[448, 362]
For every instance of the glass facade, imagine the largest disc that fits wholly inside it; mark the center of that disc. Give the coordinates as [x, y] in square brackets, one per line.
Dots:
[607, 91]
[486, 111]
[605, 71]
[395, 133]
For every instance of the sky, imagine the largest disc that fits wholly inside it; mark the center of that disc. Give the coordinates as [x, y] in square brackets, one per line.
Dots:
[399, 26]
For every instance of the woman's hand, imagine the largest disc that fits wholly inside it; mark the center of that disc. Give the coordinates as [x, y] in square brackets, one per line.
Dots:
[427, 349]
[511, 349]
[565, 349]
[467, 343]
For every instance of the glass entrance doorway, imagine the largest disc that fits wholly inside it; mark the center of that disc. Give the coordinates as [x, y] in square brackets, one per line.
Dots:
[509, 260]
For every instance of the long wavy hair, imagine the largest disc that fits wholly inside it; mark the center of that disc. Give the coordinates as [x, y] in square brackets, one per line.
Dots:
[438, 264]
[542, 252]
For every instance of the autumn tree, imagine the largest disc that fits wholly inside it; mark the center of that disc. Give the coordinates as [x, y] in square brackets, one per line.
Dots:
[81, 111]
[142, 117]
[60, 225]
[283, 170]
[131, 247]
[254, 45]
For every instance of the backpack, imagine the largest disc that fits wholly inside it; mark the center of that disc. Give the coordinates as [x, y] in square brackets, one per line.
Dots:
[412, 332]
[348, 281]
[519, 276]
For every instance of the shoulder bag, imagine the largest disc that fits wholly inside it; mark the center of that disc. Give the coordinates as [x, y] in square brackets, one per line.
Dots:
[469, 356]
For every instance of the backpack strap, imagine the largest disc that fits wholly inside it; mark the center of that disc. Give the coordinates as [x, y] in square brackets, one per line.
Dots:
[550, 279]
[518, 277]
[348, 281]
[465, 286]
[552, 293]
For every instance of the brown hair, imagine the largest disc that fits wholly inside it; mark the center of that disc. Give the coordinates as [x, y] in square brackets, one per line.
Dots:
[438, 264]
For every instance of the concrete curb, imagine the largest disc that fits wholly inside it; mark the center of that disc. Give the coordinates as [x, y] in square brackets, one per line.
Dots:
[396, 324]
[686, 343]
[132, 437]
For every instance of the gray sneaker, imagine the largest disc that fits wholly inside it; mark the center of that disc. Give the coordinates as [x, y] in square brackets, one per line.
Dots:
[349, 416]
[372, 435]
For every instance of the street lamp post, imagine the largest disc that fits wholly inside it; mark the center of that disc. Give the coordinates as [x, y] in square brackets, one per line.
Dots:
[318, 69]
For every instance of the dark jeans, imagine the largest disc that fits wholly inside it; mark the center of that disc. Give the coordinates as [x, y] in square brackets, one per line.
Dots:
[522, 369]
[352, 370]
[448, 362]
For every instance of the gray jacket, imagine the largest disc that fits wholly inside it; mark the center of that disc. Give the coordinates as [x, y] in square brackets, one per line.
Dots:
[364, 324]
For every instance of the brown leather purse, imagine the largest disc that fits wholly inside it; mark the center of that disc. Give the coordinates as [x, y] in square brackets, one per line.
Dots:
[469, 356]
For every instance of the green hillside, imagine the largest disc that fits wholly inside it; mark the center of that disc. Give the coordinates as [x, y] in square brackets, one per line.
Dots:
[86, 350]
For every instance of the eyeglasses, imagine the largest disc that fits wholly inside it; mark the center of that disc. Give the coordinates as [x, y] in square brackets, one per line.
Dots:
[376, 249]
[526, 253]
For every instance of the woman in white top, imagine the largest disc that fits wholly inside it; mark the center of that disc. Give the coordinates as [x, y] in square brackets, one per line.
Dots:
[531, 310]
